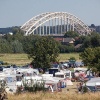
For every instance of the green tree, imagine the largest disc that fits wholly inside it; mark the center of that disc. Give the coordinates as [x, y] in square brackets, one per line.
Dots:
[95, 40]
[71, 34]
[8, 37]
[17, 47]
[70, 48]
[91, 57]
[17, 30]
[28, 42]
[43, 52]
[62, 48]
[80, 40]
[5, 47]
[87, 42]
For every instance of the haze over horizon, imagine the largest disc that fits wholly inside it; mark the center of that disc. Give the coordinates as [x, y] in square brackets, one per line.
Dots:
[17, 12]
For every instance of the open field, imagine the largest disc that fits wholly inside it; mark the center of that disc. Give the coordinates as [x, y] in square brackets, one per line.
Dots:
[18, 59]
[66, 56]
[55, 96]
[22, 59]
[64, 95]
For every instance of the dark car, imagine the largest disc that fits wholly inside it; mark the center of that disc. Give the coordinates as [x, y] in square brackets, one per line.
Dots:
[53, 71]
[12, 66]
[7, 66]
[1, 68]
[55, 65]
[79, 64]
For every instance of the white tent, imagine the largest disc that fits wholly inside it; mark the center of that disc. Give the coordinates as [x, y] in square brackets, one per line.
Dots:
[28, 71]
[80, 69]
[93, 81]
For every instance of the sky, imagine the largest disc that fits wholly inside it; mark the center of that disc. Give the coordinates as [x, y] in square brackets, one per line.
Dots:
[17, 12]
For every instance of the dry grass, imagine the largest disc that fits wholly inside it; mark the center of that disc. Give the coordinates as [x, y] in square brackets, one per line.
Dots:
[22, 59]
[53, 96]
[64, 95]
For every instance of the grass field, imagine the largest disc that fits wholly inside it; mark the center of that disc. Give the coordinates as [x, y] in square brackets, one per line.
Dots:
[22, 59]
[66, 56]
[55, 96]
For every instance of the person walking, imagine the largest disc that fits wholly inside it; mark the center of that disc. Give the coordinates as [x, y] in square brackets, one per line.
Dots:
[79, 87]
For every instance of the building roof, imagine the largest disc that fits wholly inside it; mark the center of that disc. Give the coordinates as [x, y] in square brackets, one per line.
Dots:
[68, 40]
[59, 39]
[78, 46]
[65, 40]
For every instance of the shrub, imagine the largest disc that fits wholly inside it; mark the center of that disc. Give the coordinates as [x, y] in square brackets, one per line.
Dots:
[34, 86]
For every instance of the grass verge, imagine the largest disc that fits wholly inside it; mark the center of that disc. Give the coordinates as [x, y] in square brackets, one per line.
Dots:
[22, 59]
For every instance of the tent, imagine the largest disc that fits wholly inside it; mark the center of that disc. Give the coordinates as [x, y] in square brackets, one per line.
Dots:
[68, 81]
[91, 84]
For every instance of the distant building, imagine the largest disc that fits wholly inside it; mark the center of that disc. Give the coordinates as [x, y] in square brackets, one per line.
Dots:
[98, 29]
[94, 28]
[65, 41]
[7, 30]
[78, 46]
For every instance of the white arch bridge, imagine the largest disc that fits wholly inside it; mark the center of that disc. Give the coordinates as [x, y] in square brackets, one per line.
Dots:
[56, 23]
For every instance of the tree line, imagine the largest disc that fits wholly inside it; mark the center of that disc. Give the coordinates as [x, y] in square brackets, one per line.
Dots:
[18, 43]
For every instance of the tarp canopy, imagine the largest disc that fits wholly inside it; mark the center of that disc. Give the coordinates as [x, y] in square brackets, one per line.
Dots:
[93, 81]
[59, 73]
[80, 69]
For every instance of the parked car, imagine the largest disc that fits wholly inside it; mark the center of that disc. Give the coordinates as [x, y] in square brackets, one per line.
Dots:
[79, 64]
[1, 68]
[55, 65]
[66, 64]
[12, 66]
[71, 64]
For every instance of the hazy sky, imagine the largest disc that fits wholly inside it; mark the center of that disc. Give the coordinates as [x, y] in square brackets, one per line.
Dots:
[17, 12]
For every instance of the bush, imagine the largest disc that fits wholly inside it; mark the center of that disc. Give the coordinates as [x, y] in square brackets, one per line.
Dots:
[34, 86]
[72, 59]
[2, 85]
[85, 89]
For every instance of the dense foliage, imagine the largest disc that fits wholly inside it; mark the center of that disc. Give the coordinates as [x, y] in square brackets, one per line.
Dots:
[71, 34]
[44, 51]
[18, 43]
[91, 57]
[92, 41]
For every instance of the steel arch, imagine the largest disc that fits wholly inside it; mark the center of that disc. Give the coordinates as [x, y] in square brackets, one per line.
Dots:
[31, 25]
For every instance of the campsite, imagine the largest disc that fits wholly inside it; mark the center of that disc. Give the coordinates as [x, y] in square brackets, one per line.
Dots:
[49, 50]
[59, 82]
